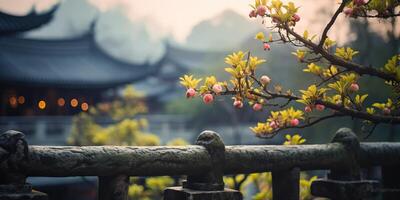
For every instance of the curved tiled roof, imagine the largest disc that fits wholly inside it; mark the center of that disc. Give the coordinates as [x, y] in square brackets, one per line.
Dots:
[189, 59]
[71, 63]
[10, 24]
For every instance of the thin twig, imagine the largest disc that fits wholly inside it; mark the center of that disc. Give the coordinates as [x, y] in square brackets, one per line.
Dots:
[331, 22]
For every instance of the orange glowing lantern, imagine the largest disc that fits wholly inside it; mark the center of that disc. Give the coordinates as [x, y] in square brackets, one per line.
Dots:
[42, 104]
[74, 102]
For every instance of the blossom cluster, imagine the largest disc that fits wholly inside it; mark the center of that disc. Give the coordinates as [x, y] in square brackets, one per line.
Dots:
[337, 92]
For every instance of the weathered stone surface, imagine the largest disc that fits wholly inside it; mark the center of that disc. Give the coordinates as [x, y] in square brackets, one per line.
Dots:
[113, 160]
[344, 182]
[379, 153]
[179, 193]
[13, 154]
[34, 195]
[213, 179]
[285, 184]
[20, 192]
[345, 190]
[187, 160]
[15, 188]
[391, 182]
[350, 168]
[113, 187]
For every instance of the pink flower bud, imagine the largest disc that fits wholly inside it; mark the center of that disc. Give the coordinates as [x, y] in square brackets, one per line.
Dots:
[238, 104]
[217, 88]
[208, 98]
[250, 96]
[308, 109]
[320, 107]
[386, 111]
[261, 10]
[257, 106]
[348, 11]
[296, 18]
[354, 87]
[274, 125]
[252, 14]
[276, 20]
[294, 122]
[265, 80]
[360, 2]
[385, 13]
[267, 47]
[190, 93]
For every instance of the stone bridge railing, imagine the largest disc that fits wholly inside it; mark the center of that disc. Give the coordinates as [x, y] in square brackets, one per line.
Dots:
[204, 164]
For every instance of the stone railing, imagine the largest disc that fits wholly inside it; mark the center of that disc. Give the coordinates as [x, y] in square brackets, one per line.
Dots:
[205, 164]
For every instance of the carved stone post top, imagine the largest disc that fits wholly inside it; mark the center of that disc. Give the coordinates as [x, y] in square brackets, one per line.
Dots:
[11, 140]
[13, 148]
[207, 138]
[347, 137]
[214, 145]
[13, 152]
[210, 180]
[350, 170]
[344, 181]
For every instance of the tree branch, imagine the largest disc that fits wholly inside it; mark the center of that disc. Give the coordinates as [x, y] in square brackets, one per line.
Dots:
[380, 16]
[361, 70]
[331, 22]
[272, 134]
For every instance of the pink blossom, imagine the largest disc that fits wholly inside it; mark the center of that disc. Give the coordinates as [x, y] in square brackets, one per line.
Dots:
[348, 11]
[238, 104]
[320, 107]
[252, 14]
[276, 20]
[265, 80]
[208, 98]
[267, 47]
[190, 93]
[308, 109]
[360, 2]
[296, 18]
[257, 106]
[386, 111]
[354, 87]
[261, 10]
[217, 88]
[294, 122]
[274, 125]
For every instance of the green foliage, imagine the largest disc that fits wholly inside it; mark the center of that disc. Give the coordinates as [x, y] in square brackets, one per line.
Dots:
[263, 181]
[337, 76]
[125, 129]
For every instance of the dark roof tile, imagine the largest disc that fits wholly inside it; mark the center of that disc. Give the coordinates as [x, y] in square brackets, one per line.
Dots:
[73, 63]
[10, 24]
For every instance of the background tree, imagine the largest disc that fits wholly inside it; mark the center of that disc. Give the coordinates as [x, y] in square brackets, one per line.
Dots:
[125, 128]
[337, 89]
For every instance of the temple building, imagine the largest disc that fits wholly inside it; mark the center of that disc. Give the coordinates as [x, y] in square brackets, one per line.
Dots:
[45, 82]
[57, 77]
[62, 77]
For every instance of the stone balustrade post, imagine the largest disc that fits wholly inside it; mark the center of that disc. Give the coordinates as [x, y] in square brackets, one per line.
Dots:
[14, 151]
[206, 185]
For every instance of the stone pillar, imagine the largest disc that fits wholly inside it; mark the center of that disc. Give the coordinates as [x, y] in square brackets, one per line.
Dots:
[206, 185]
[344, 182]
[286, 184]
[14, 152]
[391, 182]
[113, 187]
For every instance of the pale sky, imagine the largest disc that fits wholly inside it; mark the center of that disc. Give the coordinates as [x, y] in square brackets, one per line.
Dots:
[175, 16]
[179, 16]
